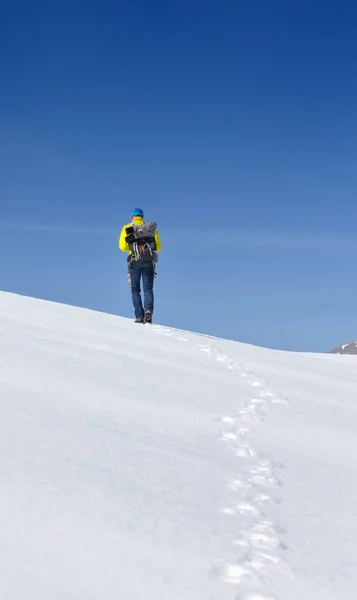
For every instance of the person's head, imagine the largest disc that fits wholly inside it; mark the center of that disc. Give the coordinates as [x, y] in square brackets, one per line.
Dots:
[137, 212]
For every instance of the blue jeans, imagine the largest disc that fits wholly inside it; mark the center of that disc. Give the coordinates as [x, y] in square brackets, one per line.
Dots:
[146, 272]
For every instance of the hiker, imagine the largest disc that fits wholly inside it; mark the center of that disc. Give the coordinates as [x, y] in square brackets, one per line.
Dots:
[141, 241]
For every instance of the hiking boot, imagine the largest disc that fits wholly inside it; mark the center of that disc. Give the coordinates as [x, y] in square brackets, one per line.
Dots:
[139, 320]
[148, 316]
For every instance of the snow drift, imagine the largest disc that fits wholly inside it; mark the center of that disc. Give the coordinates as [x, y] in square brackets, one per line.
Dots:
[143, 462]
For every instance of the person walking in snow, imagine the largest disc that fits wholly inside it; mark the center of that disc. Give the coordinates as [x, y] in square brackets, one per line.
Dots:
[141, 241]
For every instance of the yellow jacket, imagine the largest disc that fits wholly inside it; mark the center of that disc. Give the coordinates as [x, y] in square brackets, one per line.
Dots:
[124, 246]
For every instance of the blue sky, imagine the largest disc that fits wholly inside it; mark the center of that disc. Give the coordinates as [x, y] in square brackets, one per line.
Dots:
[233, 125]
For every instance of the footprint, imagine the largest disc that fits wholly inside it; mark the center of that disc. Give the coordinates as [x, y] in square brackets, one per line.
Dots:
[256, 383]
[251, 408]
[248, 410]
[263, 498]
[264, 476]
[268, 480]
[237, 485]
[245, 508]
[268, 527]
[262, 540]
[249, 414]
[165, 330]
[261, 560]
[278, 400]
[259, 401]
[204, 348]
[264, 466]
[241, 543]
[221, 357]
[228, 420]
[229, 511]
[245, 452]
[267, 394]
[229, 437]
[258, 541]
[234, 573]
[243, 431]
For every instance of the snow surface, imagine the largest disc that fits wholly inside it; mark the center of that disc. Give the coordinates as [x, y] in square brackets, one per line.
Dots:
[141, 462]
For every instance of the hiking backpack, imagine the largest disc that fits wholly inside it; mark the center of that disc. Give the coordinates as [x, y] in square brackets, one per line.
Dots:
[141, 240]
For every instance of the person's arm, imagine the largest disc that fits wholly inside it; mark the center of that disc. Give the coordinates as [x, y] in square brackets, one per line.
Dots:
[157, 241]
[123, 244]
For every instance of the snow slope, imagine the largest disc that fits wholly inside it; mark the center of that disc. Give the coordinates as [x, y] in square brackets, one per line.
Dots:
[141, 462]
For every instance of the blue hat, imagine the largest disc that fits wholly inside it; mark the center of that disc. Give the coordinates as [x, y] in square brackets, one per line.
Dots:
[137, 212]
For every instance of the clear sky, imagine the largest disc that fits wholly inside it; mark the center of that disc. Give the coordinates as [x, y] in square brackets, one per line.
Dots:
[232, 124]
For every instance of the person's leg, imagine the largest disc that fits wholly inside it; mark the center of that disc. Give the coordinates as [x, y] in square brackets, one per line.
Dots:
[135, 276]
[148, 284]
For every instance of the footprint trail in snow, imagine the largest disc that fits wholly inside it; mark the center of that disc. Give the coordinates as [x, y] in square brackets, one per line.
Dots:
[259, 544]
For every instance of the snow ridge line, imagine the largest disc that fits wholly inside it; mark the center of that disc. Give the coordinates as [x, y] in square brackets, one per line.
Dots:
[259, 546]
